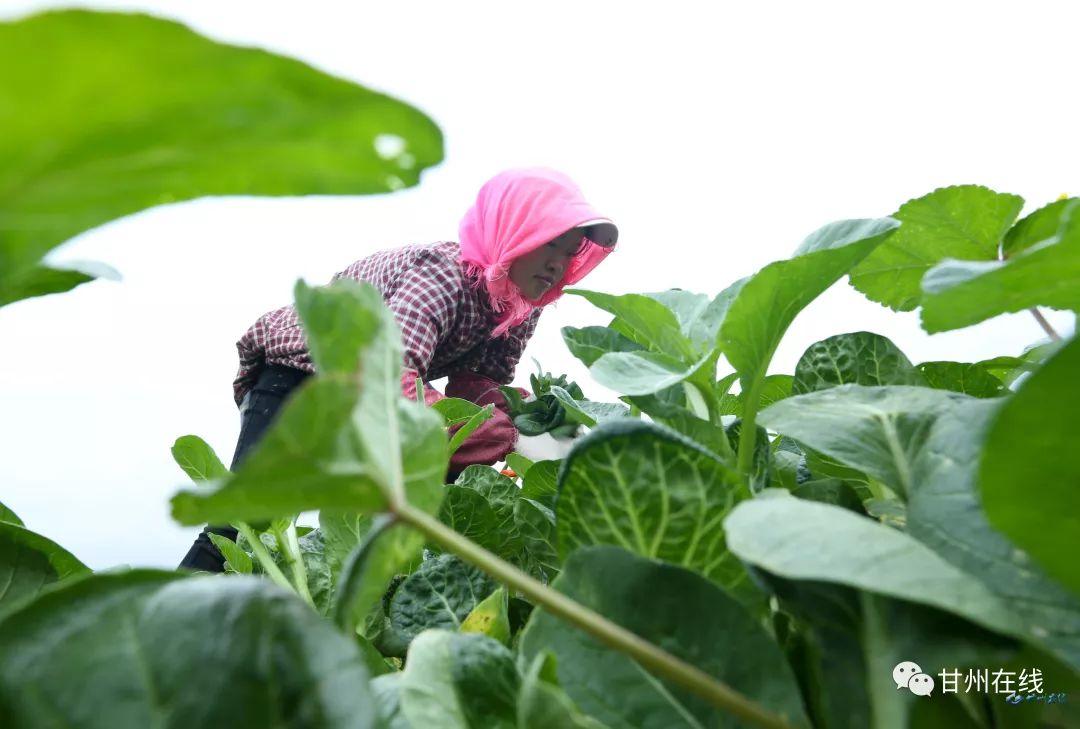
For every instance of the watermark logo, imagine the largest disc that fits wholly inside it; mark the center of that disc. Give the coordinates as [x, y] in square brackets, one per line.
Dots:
[1018, 687]
[907, 674]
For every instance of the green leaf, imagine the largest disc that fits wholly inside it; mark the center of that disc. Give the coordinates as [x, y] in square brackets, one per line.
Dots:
[29, 562]
[878, 430]
[536, 525]
[236, 559]
[646, 321]
[707, 326]
[198, 459]
[301, 463]
[1041, 225]
[680, 419]
[468, 512]
[833, 491]
[386, 690]
[1029, 476]
[589, 413]
[969, 379]
[456, 410]
[541, 483]
[490, 617]
[649, 490]
[9, 516]
[966, 222]
[962, 293]
[459, 681]
[167, 115]
[688, 615]
[340, 321]
[135, 649]
[403, 442]
[519, 464]
[502, 494]
[542, 704]
[54, 279]
[643, 373]
[591, 343]
[386, 550]
[860, 358]
[774, 388]
[768, 303]
[469, 427]
[438, 595]
[783, 535]
[342, 532]
[945, 514]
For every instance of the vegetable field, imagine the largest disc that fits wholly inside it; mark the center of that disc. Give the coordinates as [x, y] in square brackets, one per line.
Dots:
[726, 545]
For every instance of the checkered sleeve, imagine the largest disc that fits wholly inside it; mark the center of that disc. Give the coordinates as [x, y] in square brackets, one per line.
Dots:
[424, 303]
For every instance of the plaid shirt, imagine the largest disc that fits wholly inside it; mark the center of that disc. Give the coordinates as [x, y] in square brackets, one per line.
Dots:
[445, 322]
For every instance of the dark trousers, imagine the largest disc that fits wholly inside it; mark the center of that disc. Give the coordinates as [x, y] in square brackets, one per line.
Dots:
[258, 411]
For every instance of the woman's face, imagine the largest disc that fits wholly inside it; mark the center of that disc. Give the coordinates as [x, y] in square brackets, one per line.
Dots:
[537, 272]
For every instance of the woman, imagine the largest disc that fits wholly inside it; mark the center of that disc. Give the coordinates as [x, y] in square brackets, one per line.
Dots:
[466, 312]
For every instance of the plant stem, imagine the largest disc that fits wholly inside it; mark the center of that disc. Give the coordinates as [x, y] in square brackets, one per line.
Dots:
[296, 561]
[264, 557]
[648, 655]
[1044, 324]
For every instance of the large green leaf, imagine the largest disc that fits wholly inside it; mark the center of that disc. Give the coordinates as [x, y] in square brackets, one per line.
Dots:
[646, 488]
[154, 649]
[167, 115]
[387, 549]
[337, 444]
[1029, 475]
[806, 540]
[459, 681]
[468, 512]
[541, 483]
[591, 343]
[9, 516]
[440, 594]
[877, 430]
[860, 358]
[774, 388]
[646, 321]
[688, 615]
[342, 532]
[767, 304]
[542, 704]
[300, 463]
[966, 222]
[29, 562]
[944, 512]
[968, 378]
[52, 279]
[644, 373]
[536, 524]
[962, 293]
[340, 320]
[501, 494]
[1041, 225]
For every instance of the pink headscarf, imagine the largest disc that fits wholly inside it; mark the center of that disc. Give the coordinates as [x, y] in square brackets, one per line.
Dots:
[516, 212]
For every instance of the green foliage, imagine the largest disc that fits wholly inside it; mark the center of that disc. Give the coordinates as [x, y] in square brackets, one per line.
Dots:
[1023, 495]
[120, 642]
[965, 222]
[107, 114]
[669, 572]
[673, 607]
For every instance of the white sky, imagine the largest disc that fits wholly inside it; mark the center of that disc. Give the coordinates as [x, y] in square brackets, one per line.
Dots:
[716, 137]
